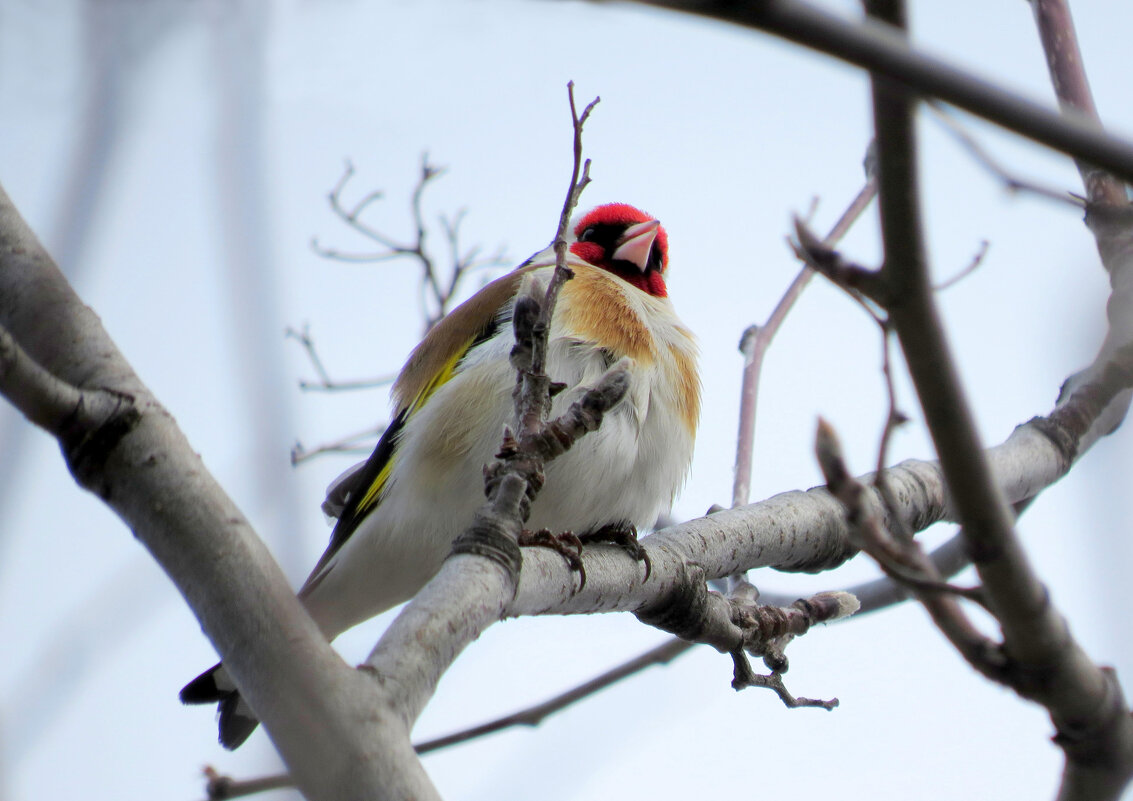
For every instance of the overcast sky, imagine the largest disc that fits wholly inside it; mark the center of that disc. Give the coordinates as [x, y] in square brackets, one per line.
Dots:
[166, 150]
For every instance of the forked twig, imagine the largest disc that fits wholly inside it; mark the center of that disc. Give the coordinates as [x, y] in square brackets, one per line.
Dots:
[757, 339]
[326, 383]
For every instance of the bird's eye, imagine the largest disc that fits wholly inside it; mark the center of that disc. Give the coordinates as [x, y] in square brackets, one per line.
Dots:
[588, 235]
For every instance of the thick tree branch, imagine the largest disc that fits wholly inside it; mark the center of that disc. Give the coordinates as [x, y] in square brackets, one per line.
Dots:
[271, 646]
[794, 531]
[1040, 659]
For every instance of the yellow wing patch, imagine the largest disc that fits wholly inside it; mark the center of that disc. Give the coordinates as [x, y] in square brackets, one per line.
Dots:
[448, 369]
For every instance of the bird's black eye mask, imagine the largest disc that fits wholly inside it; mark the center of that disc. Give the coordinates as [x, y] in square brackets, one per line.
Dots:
[606, 236]
[603, 234]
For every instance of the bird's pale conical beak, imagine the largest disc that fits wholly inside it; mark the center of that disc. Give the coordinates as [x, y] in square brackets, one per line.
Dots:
[636, 242]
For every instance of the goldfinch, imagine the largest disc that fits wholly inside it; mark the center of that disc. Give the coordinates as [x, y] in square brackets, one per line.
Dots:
[399, 511]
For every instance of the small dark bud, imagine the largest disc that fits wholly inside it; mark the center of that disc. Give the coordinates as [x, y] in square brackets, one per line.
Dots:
[777, 662]
[525, 316]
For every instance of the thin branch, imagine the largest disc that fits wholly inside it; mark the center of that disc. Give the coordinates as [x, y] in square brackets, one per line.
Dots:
[536, 714]
[352, 258]
[442, 291]
[757, 339]
[1068, 76]
[894, 417]
[429, 275]
[361, 442]
[222, 787]
[1012, 181]
[325, 382]
[335, 385]
[973, 265]
[437, 292]
[860, 282]
[745, 677]
[352, 216]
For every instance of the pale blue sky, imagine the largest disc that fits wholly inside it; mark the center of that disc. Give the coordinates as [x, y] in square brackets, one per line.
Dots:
[720, 133]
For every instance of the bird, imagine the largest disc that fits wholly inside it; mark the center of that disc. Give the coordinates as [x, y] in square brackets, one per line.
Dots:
[400, 510]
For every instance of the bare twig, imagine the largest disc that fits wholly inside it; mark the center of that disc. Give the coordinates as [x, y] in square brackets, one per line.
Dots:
[325, 382]
[1012, 181]
[221, 787]
[976, 261]
[536, 714]
[533, 390]
[469, 260]
[860, 282]
[757, 339]
[743, 677]
[908, 558]
[437, 291]
[361, 442]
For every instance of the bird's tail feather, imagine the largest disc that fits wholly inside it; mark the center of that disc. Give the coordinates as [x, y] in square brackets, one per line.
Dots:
[236, 719]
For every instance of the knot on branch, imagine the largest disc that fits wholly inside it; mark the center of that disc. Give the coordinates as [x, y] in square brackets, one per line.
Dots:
[767, 629]
[1064, 432]
[91, 432]
[683, 609]
[516, 465]
[1094, 738]
[1071, 420]
[1112, 227]
[493, 533]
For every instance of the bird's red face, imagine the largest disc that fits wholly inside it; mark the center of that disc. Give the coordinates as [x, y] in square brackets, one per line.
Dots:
[627, 242]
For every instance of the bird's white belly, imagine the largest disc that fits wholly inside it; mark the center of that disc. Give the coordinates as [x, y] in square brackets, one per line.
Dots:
[625, 472]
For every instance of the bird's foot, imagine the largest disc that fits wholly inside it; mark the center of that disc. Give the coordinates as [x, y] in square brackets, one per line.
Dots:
[566, 545]
[624, 536]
